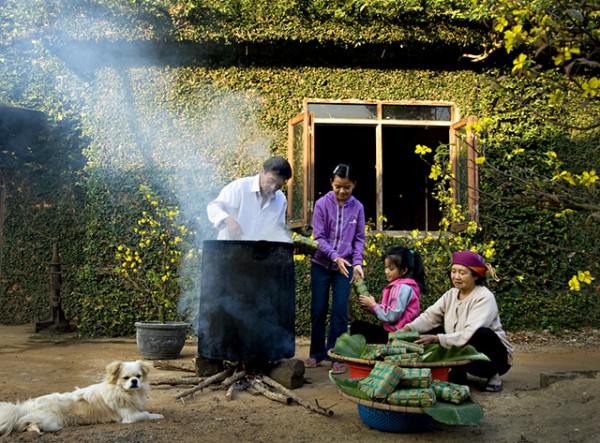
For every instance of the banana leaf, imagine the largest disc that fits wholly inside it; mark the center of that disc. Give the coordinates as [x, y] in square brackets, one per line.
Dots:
[437, 353]
[349, 386]
[350, 345]
[467, 413]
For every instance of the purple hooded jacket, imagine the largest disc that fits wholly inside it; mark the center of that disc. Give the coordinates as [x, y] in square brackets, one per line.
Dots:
[340, 231]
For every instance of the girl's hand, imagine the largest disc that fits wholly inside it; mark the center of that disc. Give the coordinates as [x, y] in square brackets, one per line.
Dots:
[358, 272]
[427, 339]
[343, 266]
[366, 301]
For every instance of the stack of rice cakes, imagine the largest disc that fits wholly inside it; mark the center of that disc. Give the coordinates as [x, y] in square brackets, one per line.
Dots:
[409, 387]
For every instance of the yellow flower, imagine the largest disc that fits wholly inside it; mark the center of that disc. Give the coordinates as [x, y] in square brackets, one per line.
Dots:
[501, 23]
[588, 177]
[489, 253]
[415, 233]
[565, 54]
[585, 277]
[519, 63]
[474, 127]
[480, 160]
[591, 88]
[513, 37]
[472, 228]
[436, 171]
[565, 175]
[422, 150]
[564, 213]
[574, 284]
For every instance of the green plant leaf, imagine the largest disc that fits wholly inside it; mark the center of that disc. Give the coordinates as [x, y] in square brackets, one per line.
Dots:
[467, 413]
[350, 345]
[437, 353]
[349, 387]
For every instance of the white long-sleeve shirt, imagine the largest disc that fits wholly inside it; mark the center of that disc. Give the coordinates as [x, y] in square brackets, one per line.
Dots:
[241, 200]
[461, 318]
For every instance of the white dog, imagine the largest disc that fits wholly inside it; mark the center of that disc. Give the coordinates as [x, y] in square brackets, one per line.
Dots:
[121, 397]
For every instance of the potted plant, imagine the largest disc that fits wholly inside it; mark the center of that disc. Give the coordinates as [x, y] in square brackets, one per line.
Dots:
[150, 265]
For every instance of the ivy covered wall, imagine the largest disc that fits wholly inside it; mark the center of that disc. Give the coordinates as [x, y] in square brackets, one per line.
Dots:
[151, 95]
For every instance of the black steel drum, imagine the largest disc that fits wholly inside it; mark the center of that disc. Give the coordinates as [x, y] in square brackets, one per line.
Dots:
[247, 301]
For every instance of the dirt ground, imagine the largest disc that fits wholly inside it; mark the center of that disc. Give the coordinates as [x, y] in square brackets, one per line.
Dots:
[566, 411]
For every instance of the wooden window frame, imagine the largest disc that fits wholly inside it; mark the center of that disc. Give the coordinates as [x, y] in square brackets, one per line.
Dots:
[305, 180]
[462, 137]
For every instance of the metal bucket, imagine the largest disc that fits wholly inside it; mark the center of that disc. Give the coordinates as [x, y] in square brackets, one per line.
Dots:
[247, 301]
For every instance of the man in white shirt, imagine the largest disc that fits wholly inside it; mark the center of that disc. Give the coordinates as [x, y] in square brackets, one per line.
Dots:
[253, 208]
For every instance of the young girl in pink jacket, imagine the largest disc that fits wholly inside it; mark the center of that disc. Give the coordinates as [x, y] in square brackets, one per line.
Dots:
[400, 303]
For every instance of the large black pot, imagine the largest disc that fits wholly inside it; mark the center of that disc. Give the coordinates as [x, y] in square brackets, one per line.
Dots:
[247, 301]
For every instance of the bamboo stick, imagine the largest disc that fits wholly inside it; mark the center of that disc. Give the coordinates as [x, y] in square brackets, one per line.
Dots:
[313, 407]
[212, 379]
[229, 394]
[232, 379]
[270, 394]
[169, 365]
[178, 381]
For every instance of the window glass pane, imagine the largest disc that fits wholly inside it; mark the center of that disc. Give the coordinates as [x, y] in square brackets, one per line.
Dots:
[412, 112]
[297, 202]
[333, 110]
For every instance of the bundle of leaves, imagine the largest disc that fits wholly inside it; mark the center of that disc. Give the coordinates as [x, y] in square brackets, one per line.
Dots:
[467, 413]
[356, 346]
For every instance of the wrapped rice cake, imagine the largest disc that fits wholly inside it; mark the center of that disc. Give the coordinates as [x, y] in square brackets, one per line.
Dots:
[412, 357]
[405, 336]
[415, 378]
[417, 398]
[450, 392]
[382, 381]
[407, 346]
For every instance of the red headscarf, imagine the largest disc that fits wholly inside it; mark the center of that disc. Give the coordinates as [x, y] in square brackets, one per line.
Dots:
[471, 260]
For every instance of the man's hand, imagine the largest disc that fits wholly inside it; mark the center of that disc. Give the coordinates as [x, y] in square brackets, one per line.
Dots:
[233, 228]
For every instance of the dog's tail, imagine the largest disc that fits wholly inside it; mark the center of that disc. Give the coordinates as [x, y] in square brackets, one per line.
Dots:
[9, 416]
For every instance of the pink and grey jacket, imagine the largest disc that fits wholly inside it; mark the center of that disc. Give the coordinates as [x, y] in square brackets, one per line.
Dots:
[340, 231]
[400, 304]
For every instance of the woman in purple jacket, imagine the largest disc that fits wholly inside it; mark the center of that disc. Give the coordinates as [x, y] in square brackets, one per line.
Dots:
[339, 227]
